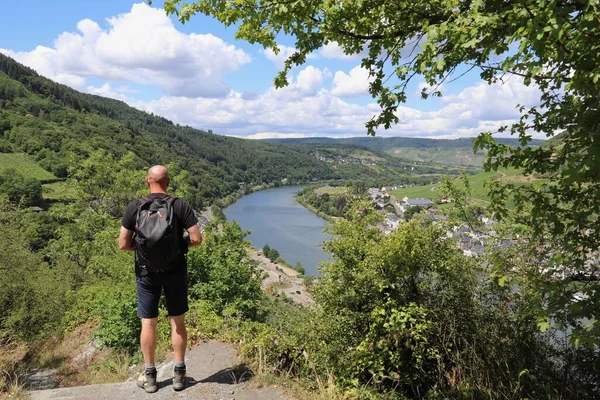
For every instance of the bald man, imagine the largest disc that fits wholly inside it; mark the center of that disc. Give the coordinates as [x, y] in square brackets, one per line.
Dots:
[174, 280]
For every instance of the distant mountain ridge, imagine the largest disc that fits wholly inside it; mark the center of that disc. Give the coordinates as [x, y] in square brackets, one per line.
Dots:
[422, 150]
[383, 143]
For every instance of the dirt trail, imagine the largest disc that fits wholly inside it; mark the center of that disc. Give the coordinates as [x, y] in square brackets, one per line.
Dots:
[213, 373]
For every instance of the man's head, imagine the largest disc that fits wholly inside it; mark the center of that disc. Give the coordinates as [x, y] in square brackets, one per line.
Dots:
[158, 179]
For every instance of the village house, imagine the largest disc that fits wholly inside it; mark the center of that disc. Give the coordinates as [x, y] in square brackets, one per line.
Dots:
[405, 203]
[392, 221]
[435, 217]
[374, 193]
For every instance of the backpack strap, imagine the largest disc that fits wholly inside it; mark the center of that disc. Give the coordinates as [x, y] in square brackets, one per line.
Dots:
[141, 202]
[171, 201]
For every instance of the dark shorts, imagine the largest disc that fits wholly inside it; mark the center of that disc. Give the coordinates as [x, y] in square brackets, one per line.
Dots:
[150, 287]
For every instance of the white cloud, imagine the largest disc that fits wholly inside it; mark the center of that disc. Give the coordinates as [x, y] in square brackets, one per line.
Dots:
[279, 59]
[286, 113]
[140, 46]
[355, 83]
[271, 114]
[309, 80]
[496, 102]
[71, 80]
[284, 53]
[275, 135]
[106, 91]
[333, 50]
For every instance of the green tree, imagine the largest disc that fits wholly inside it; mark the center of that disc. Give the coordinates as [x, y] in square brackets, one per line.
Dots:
[463, 208]
[20, 190]
[553, 45]
[266, 250]
[105, 184]
[411, 211]
[407, 315]
[32, 300]
[300, 268]
[273, 254]
[222, 273]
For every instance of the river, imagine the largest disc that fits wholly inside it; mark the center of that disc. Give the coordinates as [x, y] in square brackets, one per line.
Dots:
[274, 217]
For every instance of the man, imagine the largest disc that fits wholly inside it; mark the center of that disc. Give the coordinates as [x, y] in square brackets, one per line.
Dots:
[171, 278]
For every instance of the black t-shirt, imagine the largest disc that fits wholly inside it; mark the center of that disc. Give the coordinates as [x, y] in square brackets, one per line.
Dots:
[181, 208]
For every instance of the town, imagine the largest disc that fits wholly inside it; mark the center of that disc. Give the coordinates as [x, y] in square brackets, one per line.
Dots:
[471, 240]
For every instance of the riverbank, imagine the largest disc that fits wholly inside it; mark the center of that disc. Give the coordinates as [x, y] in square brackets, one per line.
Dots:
[285, 280]
[302, 201]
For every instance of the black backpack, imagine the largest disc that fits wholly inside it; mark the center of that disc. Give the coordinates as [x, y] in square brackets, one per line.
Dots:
[157, 246]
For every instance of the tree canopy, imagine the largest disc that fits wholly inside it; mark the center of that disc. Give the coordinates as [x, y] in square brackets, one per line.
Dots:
[553, 45]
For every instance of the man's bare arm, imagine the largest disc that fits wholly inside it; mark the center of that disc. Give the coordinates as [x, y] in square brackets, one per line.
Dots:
[126, 239]
[195, 236]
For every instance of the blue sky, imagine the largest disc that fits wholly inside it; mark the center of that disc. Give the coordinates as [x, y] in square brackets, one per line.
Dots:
[197, 74]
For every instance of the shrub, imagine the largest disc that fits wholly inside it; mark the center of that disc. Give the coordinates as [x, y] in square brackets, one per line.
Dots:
[222, 274]
[119, 326]
[408, 316]
[202, 321]
[300, 268]
[19, 189]
[32, 297]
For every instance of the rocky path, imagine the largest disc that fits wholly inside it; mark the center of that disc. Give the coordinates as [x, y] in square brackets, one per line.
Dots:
[213, 374]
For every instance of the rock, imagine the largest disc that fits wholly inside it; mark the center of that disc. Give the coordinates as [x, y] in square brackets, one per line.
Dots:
[41, 379]
[88, 351]
[132, 369]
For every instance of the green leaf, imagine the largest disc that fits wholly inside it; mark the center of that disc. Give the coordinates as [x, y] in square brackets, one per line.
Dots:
[543, 325]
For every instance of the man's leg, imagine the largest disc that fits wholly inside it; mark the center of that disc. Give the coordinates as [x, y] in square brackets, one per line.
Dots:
[177, 305]
[178, 337]
[148, 339]
[179, 340]
[148, 296]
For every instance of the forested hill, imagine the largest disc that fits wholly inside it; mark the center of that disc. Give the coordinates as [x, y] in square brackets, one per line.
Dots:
[386, 143]
[60, 127]
[444, 151]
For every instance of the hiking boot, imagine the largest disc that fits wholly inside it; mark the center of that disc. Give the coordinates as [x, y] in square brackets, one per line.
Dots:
[178, 378]
[147, 380]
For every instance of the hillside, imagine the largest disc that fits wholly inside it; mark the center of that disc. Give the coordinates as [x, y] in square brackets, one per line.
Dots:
[478, 185]
[58, 127]
[428, 151]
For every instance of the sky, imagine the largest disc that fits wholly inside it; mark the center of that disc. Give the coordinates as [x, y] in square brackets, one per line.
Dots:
[199, 75]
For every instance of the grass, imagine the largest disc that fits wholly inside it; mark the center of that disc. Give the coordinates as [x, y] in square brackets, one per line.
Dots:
[366, 155]
[58, 191]
[60, 352]
[332, 190]
[11, 366]
[439, 155]
[26, 166]
[479, 191]
[267, 375]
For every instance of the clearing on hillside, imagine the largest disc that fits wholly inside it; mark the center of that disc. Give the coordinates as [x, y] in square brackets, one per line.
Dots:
[479, 191]
[439, 155]
[26, 165]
